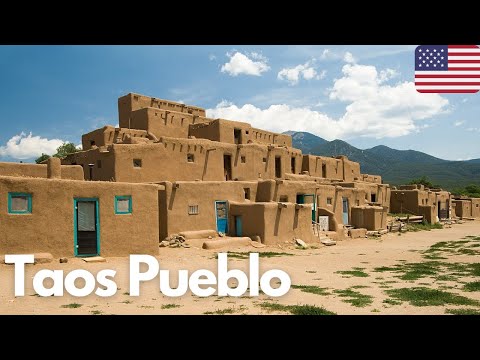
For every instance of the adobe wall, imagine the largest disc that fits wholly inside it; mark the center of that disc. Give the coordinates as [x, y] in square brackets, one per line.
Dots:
[131, 102]
[468, 207]
[109, 135]
[376, 179]
[371, 218]
[332, 168]
[163, 122]
[168, 160]
[50, 226]
[281, 222]
[103, 161]
[38, 170]
[175, 202]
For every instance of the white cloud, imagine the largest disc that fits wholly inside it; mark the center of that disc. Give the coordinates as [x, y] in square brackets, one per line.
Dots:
[348, 57]
[25, 146]
[242, 64]
[326, 53]
[387, 74]
[212, 57]
[307, 71]
[474, 129]
[459, 123]
[373, 109]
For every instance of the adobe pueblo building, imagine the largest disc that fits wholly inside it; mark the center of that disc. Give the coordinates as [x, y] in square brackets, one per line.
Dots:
[169, 169]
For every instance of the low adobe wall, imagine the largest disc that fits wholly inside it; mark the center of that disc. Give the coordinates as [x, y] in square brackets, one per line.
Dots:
[70, 172]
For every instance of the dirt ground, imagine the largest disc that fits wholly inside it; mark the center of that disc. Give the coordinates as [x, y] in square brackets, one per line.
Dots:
[357, 276]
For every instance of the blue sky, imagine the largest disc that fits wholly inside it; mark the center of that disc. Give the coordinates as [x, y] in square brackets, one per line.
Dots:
[363, 94]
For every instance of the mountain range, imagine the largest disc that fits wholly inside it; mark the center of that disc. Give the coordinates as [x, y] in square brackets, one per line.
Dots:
[395, 166]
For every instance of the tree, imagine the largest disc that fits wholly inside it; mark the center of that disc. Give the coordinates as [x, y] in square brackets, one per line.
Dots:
[62, 151]
[42, 158]
[65, 149]
[422, 181]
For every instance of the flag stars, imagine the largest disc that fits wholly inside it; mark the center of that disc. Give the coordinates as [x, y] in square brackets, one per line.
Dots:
[441, 50]
[434, 65]
[427, 65]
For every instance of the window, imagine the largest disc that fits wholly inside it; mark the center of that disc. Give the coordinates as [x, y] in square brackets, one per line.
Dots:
[123, 204]
[190, 158]
[283, 198]
[192, 209]
[329, 201]
[19, 203]
[137, 163]
[247, 193]
[246, 132]
[99, 164]
[264, 160]
[243, 159]
[135, 98]
[92, 142]
[373, 198]
[357, 202]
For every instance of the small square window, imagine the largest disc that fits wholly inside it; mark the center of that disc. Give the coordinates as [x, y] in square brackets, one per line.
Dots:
[283, 198]
[99, 164]
[190, 158]
[137, 163]
[358, 202]
[19, 203]
[264, 160]
[123, 204]
[247, 193]
[243, 159]
[329, 201]
[192, 209]
[92, 142]
[246, 132]
[135, 98]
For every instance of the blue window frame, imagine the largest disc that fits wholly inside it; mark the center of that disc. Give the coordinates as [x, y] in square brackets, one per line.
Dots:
[123, 204]
[19, 203]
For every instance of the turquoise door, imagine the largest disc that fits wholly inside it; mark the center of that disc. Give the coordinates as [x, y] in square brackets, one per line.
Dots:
[221, 210]
[345, 211]
[301, 200]
[238, 226]
[86, 221]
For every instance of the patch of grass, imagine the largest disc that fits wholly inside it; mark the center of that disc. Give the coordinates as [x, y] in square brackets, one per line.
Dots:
[126, 302]
[360, 287]
[230, 310]
[72, 306]
[392, 302]
[96, 312]
[375, 310]
[416, 271]
[354, 297]
[386, 269]
[146, 307]
[423, 226]
[445, 278]
[126, 293]
[468, 251]
[355, 272]
[472, 286]
[170, 306]
[296, 309]
[433, 257]
[311, 271]
[462, 311]
[246, 255]
[422, 296]
[312, 289]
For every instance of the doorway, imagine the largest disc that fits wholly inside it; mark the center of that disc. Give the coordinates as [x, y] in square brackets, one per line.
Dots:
[292, 165]
[238, 226]
[345, 211]
[227, 167]
[86, 227]
[301, 199]
[324, 170]
[221, 210]
[237, 136]
[278, 167]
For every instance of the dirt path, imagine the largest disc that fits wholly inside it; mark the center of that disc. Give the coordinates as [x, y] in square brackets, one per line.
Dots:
[364, 289]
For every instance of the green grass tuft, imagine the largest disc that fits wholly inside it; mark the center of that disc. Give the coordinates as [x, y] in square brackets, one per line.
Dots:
[296, 309]
[421, 296]
[354, 297]
[472, 286]
[72, 306]
[312, 289]
[354, 273]
[462, 311]
[170, 306]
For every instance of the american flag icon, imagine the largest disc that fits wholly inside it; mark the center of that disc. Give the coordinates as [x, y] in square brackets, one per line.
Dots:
[447, 68]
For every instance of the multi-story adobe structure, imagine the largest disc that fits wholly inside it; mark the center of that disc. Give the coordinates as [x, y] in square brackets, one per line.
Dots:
[433, 204]
[167, 169]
